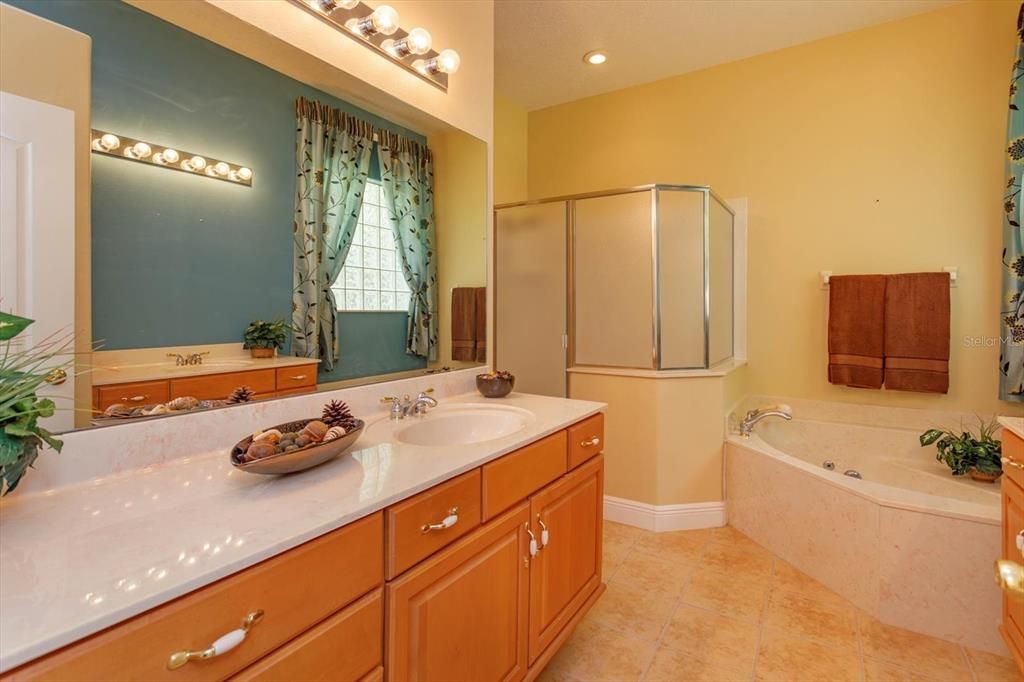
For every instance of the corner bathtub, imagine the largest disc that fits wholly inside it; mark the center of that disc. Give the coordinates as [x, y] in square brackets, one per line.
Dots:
[907, 542]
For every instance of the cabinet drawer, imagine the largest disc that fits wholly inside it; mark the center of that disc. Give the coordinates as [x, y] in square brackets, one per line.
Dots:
[295, 590]
[347, 646]
[296, 377]
[140, 393]
[407, 542]
[517, 475]
[220, 386]
[586, 439]
[1013, 449]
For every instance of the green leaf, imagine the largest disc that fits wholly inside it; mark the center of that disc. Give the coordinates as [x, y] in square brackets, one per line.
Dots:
[50, 439]
[12, 325]
[10, 449]
[929, 437]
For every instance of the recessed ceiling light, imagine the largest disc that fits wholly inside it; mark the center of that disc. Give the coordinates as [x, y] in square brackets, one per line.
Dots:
[595, 57]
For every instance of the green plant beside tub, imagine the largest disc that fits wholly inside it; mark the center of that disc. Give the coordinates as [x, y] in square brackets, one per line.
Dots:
[261, 337]
[966, 452]
[22, 374]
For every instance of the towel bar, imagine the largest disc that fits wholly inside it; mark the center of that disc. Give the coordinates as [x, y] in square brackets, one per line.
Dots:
[953, 270]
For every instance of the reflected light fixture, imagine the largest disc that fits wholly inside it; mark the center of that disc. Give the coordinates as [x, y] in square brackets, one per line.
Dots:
[378, 28]
[122, 147]
[595, 57]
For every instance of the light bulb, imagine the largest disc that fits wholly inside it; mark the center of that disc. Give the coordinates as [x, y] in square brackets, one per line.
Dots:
[141, 150]
[245, 173]
[166, 156]
[347, 4]
[197, 163]
[110, 142]
[446, 62]
[222, 168]
[418, 41]
[384, 20]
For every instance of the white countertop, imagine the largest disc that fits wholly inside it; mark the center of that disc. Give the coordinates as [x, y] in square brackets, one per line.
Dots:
[79, 559]
[102, 375]
[1014, 425]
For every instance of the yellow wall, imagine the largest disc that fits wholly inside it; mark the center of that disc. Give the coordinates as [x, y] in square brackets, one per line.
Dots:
[59, 75]
[879, 150]
[461, 213]
[510, 142]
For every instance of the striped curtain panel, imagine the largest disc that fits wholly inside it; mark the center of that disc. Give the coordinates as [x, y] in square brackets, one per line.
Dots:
[1011, 357]
[332, 158]
[407, 176]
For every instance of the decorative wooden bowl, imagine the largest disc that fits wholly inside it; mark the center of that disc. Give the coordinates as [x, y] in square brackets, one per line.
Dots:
[295, 460]
[494, 387]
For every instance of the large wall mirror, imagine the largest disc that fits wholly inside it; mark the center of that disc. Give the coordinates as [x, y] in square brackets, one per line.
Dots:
[250, 231]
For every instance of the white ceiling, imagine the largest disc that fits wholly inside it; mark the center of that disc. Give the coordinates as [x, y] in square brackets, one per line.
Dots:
[539, 44]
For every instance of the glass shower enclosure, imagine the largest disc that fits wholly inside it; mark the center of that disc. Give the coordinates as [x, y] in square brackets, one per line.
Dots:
[636, 279]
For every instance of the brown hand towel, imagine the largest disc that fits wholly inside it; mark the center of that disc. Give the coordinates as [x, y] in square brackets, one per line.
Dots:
[856, 330]
[463, 323]
[917, 332]
[480, 355]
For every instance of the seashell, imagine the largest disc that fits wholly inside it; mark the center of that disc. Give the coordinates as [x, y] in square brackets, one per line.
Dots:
[334, 433]
[303, 440]
[316, 430]
[259, 450]
[119, 410]
[156, 409]
[270, 435]
[185, 402]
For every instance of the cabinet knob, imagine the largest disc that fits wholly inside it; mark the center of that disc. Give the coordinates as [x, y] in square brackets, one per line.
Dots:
[590, 443]
[222, 645]
[134, 399]
[56, 376]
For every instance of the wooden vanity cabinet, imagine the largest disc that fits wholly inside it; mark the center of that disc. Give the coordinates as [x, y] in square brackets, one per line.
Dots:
[1012, 628]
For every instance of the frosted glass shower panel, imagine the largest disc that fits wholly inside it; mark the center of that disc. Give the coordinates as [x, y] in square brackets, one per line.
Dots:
[613, 280]
[681, 277]
[720, 282]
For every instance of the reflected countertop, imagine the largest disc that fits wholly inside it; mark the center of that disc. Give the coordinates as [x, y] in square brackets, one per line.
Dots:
[76, 560]
[119, 374]
[1014, 425]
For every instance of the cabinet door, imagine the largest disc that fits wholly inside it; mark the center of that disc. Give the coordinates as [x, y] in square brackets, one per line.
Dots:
[1013, 523]
[462, 614]
[567, 569]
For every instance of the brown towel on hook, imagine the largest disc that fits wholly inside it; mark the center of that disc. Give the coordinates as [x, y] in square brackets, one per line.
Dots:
[480, 354]
[917, 332]
[856, 330]
[464, 323]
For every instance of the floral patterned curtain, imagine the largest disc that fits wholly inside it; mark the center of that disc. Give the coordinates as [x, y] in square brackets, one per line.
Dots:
[407, 176]
[1011, 331]
[332, 156]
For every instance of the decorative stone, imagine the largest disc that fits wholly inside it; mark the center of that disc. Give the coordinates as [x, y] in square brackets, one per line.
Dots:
[315, 430]
[270, 435]
[259, 450]
[303, 440]
[185, 402]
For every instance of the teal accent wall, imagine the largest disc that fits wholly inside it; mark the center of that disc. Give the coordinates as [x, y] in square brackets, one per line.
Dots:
[184, 260]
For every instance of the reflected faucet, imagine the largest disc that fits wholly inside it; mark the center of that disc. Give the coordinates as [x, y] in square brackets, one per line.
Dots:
[185, 360]
[754, 416]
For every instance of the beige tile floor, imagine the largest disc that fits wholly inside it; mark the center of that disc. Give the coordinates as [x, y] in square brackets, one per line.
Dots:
[671, 612]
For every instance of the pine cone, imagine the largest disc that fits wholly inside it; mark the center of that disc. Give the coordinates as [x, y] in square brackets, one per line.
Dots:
[242, 394]
[336, 413]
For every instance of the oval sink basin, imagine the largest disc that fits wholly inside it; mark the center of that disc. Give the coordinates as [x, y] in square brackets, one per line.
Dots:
[463, 426]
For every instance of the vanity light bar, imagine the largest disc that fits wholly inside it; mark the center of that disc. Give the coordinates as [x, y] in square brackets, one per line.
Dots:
[153, 154]
[378, 30]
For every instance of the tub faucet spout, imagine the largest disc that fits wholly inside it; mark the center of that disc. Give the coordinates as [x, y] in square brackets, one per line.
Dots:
[754, 416]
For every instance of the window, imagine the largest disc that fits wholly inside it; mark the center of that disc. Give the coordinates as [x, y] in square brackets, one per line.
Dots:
[372, 276]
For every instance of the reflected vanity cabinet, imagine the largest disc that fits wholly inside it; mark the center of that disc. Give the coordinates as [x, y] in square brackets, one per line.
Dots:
[482, 577]
[1012, 628]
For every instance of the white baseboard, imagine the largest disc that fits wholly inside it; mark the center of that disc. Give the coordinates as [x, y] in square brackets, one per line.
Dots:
[666, 517]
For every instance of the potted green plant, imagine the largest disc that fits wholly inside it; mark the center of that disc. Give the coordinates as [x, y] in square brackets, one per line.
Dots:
[22, 374]
[979, 456]
[262, 339]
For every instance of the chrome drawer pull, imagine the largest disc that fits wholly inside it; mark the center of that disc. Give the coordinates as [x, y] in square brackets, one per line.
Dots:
[1012, 462]
[224, 644]
[590, 443]
[447, 522]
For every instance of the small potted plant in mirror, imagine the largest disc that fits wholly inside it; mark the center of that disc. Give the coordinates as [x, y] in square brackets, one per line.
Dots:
[23, 373]
[263, 339]
[979, 456]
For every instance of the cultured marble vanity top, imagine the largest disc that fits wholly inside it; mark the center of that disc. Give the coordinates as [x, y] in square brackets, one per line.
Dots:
[1013, 424]
[78, 559]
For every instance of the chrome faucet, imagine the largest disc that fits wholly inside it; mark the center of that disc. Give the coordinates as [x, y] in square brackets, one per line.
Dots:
[754, 416]
[185, 360]
[402, 407]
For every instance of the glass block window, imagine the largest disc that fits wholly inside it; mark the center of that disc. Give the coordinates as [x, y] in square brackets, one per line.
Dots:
[372, 276]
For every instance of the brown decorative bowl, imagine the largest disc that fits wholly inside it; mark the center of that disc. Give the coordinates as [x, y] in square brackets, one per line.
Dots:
[494, 387]
[295, 460]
